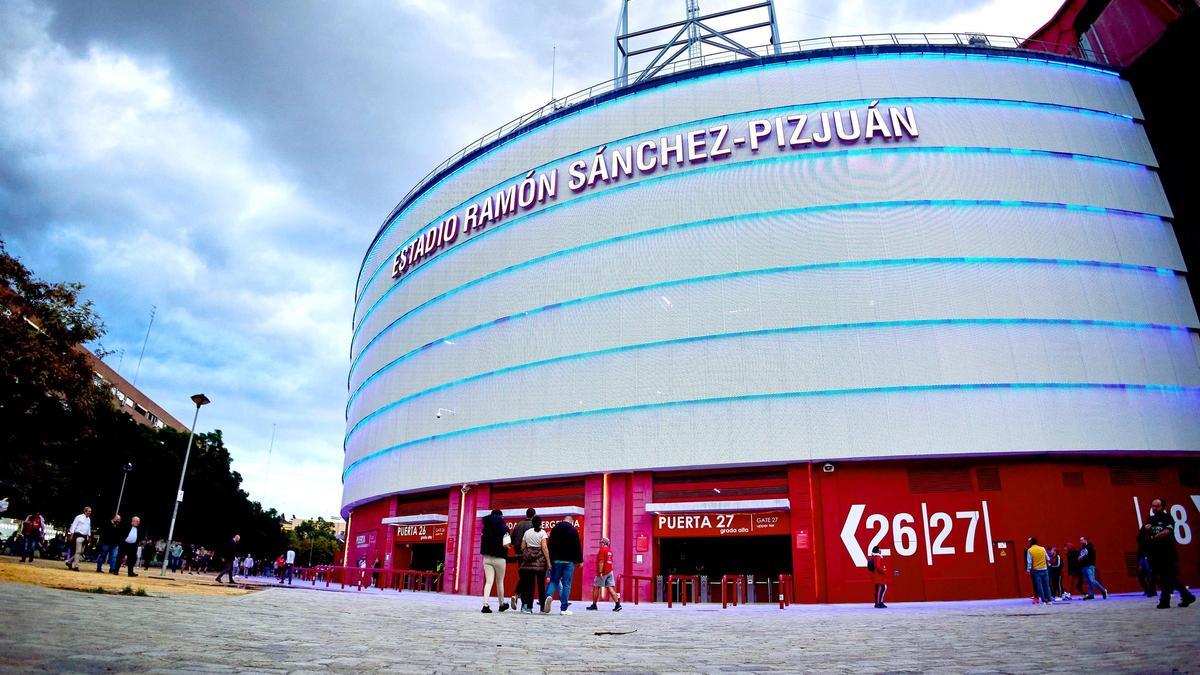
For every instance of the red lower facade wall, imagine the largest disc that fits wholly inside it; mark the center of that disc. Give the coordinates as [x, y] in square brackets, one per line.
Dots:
[950, 529]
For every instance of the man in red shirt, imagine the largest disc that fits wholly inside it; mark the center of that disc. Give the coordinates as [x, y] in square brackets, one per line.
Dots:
[604, 576]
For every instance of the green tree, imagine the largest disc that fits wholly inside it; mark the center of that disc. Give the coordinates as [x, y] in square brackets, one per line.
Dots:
[49, 406]
[314, 540]
[63, 441]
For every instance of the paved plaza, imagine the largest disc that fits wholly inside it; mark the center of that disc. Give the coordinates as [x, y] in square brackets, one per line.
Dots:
[303, 630]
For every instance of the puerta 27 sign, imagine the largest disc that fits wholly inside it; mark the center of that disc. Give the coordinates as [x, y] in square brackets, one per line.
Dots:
[723, 142]
[732, 524]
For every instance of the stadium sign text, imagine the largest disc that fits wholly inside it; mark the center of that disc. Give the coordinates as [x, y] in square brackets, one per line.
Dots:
[782, 133]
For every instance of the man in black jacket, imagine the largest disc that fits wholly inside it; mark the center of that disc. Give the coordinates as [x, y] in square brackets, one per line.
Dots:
[229, 553]
[565, 553]
[129, 544]
[1164, 559]
[110, 545]
[1087, 566]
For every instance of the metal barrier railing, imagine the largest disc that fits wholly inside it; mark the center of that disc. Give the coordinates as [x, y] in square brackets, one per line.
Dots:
[354, 576]
[739, 587]
[633, 586]
[685, 581]
[965, 40]
[414, 580]
[367, 577]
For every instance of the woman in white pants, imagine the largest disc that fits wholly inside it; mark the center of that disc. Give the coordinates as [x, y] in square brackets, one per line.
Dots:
[495, 552]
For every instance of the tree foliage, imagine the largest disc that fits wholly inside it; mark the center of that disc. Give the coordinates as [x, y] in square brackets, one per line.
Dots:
[315, 541]
[63, 442]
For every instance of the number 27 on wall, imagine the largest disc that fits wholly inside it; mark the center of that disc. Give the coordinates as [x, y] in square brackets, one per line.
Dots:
[935, 528]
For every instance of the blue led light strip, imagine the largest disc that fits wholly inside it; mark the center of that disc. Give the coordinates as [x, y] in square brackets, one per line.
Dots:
[749, 68]
[387, 293]
[787, 394]
[824, 154]
[661, 284]
[752, 333]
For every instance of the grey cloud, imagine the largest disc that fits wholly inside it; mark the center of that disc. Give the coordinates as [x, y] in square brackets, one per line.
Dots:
[230, 162]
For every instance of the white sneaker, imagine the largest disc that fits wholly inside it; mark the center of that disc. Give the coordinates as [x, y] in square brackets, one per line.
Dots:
[565, 611]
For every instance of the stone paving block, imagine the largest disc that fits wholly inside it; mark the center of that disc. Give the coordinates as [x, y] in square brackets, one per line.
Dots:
[293, 630]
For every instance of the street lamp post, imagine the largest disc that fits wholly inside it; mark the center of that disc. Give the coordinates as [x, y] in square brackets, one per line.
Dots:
[199, 400]
[126, 469]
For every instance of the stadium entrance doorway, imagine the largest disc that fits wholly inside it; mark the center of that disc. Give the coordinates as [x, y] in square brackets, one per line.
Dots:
[754, 545]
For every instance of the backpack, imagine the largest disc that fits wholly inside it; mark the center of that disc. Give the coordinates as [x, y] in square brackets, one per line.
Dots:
[871, 564]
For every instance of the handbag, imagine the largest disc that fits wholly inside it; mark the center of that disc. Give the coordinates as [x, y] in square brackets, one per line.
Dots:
[507, 540]
[532, 559]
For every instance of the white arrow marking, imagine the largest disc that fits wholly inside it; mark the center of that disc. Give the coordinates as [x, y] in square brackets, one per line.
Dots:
[849, 530]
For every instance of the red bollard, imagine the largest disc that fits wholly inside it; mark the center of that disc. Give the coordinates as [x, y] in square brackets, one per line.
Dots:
[786, 590]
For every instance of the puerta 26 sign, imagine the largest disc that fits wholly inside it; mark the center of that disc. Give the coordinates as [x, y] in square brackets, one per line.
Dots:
[782, 133]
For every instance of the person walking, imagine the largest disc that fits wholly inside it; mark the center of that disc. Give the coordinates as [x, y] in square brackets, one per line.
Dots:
[494, 549]
[1145, 569]
[146, 554]
[129, 544]
[535, 557]
[604, 576]
[518, 543]
[110, 545]
[80, 530]
[32, 529]
[878, 569]
[1037, 567]
[1087, 566]
[248, 565]
[565, 553]
[1164, 559]
[229, 555]
[1054, 563]
[289, 559]
[1074, 576]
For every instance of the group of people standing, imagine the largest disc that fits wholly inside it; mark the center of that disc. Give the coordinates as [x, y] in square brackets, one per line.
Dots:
[118, 543]
[1045, 569]
[540, 554]
[1157, 560]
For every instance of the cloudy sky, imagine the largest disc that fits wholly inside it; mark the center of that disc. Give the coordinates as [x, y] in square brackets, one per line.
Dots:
[229, 162]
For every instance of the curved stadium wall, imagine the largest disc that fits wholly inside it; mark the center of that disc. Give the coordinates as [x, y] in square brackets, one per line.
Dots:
[992, 274]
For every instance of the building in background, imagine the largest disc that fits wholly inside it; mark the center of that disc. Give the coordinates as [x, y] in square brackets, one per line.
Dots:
[759, 314]
[129, 398]
[339, 525]
[125, 396]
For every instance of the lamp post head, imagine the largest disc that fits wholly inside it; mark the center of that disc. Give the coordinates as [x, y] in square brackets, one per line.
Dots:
[128, 467]
[200, 399]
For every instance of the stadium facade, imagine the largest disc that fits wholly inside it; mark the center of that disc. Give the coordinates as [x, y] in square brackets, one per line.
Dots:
[760, 316]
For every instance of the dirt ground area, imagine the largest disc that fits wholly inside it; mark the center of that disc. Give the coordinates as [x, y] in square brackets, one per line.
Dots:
[54, 574]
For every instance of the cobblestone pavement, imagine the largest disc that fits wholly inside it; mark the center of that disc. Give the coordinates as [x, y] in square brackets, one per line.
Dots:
[301, 630]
